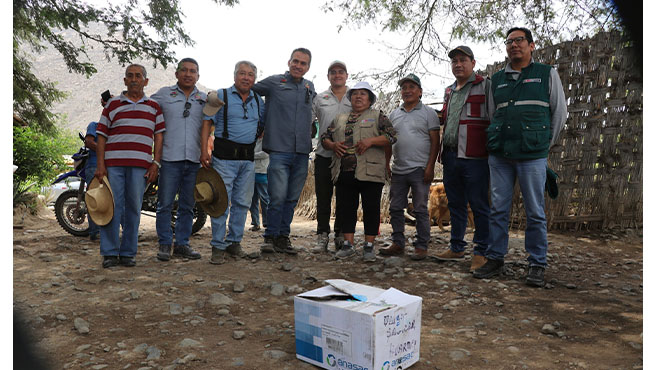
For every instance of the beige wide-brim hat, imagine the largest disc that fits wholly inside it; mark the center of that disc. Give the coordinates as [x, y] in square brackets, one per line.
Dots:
[213, 104]
[100, 201]
[210, 192]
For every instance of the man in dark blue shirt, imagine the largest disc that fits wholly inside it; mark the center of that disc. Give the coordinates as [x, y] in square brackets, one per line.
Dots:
[287, 140]
[90, 168]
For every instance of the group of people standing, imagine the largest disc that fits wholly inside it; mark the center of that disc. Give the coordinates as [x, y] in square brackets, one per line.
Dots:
[494, 132]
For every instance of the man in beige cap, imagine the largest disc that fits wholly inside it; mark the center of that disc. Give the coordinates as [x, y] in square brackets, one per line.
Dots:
[326, 106]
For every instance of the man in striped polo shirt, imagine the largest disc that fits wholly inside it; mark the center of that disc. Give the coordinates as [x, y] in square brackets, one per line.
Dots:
[129, 125]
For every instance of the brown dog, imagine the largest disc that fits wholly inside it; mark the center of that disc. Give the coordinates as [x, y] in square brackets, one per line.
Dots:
[438, 207]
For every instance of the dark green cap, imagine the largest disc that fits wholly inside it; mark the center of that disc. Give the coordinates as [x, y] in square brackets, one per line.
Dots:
[411, 77]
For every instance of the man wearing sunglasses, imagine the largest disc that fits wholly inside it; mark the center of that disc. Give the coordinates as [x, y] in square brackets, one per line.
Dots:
[235, 135]
[530, 112]
[182, 105]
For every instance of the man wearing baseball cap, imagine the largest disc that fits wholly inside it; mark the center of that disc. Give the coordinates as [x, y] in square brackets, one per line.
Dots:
[415, 152]
[466, 113]
[326, 107]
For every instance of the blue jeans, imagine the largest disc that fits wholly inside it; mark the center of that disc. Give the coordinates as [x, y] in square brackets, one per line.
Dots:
[286, 175]
[531, 175]
[128, 185]
[260, 198]
[88, 176]
[179, 178]
[238, 177]
[467, 181]
[399, 201]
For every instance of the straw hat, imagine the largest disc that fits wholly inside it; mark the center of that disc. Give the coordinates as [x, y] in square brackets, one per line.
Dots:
[210, 192]
[100, 201]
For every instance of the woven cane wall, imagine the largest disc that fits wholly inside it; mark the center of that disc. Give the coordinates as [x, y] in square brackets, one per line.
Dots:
[599, 153]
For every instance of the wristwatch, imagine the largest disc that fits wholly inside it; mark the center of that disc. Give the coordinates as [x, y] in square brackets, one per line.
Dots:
[157, 163]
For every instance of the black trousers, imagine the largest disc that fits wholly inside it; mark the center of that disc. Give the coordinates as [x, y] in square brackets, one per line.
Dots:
[323, 187]
[349, 192]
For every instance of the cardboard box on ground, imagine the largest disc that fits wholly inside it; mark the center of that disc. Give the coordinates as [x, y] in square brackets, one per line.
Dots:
[346, 325]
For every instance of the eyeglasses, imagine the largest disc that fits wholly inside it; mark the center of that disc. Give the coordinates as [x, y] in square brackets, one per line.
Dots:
[337, 72]
[516, 40]
[243, 105]
[185, 114]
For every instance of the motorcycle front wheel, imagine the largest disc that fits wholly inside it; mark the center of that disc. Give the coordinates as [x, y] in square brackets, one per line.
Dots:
[71, 216]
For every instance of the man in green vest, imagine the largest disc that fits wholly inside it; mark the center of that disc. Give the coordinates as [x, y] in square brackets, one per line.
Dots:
[530, 112]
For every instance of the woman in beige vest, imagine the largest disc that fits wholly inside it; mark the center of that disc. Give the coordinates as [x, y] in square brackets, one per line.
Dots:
[362, 141]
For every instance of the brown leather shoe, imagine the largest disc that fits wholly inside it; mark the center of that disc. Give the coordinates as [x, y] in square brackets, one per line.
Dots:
[450, 255]
[419, 254]
[477, 261]
[392, 250]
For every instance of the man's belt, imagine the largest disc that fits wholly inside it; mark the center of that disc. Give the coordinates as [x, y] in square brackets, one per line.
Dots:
[229, 150]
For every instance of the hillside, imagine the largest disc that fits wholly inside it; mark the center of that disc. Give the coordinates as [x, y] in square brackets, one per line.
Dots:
[83, 103]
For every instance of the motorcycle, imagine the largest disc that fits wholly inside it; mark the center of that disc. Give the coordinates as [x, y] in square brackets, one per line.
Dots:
[71, 209]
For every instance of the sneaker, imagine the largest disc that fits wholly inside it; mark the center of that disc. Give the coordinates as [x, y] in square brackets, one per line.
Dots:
[347, 250]
[489, 269]
[322, 243]
[339, 240]
[255, 228]
[218, 256]
[164, 253]
[267, 246]
[234, 249]
[282, 244]
[185, 251]
[127, 261]
[368, 253]
[477, 261]
[535, 276]
[450, 255]
[109, 261]
[419, 254]
[392, 250]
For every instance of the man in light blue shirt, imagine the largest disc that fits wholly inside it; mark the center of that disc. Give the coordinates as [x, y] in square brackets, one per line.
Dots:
[415, 151]
[182, 105]
[234, 149]
[288, 141]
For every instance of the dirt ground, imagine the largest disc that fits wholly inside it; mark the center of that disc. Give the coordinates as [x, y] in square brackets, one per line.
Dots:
[168, 315]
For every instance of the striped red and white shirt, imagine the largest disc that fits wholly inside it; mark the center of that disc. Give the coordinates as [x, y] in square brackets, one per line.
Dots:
[129, 128]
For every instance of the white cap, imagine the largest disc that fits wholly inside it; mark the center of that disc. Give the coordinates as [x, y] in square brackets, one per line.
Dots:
[362, 86]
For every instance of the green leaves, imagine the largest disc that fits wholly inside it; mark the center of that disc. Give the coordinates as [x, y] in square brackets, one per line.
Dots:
[39, 156]
[137, 29]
